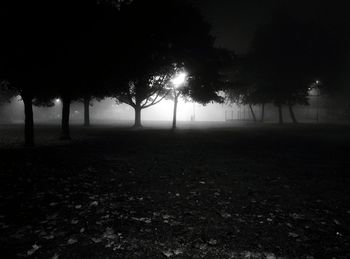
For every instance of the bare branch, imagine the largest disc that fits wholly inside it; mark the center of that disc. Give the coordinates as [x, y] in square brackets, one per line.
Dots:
[145, 104]
[155, 101]
[126, 99]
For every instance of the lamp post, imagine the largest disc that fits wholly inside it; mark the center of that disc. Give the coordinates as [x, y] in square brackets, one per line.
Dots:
[194, 112]
[317, 83]
[178, 81]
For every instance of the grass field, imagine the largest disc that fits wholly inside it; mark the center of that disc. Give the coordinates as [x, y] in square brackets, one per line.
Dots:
[205, 191]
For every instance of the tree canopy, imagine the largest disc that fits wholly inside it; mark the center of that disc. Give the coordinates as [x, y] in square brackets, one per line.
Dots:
[163, 36]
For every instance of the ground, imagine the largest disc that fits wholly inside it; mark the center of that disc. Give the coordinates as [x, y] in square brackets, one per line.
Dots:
[229, 191]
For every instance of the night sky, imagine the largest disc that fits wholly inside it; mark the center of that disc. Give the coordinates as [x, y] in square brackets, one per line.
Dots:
[235, 21]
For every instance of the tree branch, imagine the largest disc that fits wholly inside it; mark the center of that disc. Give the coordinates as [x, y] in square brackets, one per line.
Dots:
[145, 104]
[126, 99]
[155, 100]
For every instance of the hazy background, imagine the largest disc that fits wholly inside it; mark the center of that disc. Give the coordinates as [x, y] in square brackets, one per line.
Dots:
[107, 111]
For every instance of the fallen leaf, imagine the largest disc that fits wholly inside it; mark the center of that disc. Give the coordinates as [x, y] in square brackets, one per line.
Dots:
[270, 256]
[35, 248]
[168, 253]
[213, 242]
[289, 225]
[178, 251]
[74, 221]
[48, 237]
[72, 241]
[96, 240]
[225, 215]
[296, 216]
[94, 203]
[292, 234]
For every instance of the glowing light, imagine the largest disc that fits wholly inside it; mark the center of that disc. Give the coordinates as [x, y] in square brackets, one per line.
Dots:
[179, 79]
[317, 82]
[57, 101]
[19, 98]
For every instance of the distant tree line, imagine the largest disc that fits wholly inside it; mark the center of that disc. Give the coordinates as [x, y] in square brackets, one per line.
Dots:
[287, 57]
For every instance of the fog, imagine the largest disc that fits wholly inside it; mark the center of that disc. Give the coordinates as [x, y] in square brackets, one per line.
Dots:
[320, 109]
[108, 111]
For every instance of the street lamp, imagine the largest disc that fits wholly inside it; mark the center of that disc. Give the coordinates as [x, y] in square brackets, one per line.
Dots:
[318, 100]
[315, 92]
[178, 81]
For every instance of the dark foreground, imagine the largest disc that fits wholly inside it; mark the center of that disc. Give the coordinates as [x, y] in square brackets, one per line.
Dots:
[245, 192]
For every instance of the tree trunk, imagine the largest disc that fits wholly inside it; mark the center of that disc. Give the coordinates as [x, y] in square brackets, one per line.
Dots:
[65, 134]
[138, 116]
[86, 111]
[292, 115]
[253, 113]
[175, 111]
[28, 121]
[280, 114]
[262, 112]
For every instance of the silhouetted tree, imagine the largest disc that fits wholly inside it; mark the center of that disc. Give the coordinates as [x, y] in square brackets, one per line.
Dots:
[25, 52]
[144, 92]
[331, 53]
[282, 51]
[205, 79]
[53, 48]
[87, 56]
[159, 36]
[245, 85]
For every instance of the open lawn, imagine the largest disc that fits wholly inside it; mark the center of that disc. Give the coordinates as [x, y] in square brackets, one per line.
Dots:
[219, 191]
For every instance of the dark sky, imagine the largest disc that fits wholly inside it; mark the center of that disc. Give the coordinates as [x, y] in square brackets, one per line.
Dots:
[235, 21]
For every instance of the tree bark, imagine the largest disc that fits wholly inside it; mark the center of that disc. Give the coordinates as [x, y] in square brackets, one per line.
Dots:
[65, 134]
[292, 114]
[252, 112]
[86, 111]
[28, 121]
[262, 112]
[137, 116]
[175, 111]
[280, 114]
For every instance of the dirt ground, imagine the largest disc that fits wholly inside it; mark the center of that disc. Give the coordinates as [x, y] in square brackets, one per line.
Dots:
[248, 191]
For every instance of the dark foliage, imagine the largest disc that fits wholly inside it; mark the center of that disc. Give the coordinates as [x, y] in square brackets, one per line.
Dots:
[159, 38]
[56, 48]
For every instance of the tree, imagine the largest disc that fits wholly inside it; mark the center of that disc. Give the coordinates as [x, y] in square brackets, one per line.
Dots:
[178, 82]
[160, 35]
[282, 50]
[32, 33]
[203, 78]
[86, 56]
[144, 92]
[332, 58]
[244, 82]
[24, 53]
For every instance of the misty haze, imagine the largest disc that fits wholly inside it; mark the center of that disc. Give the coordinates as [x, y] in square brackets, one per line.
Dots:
[174, 129]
